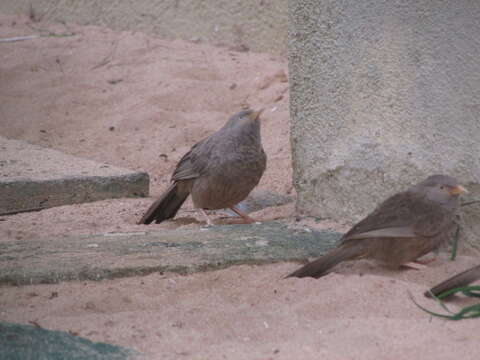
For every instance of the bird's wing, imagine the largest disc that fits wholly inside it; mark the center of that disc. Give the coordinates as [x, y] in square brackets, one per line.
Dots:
[193, 163]
[404, 215]
[434, 220]
[393, 232]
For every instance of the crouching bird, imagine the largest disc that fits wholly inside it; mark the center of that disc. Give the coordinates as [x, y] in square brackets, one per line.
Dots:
[403, 228]
[219, 171]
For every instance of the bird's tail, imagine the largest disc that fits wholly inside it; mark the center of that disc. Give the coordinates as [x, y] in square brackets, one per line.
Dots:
[457, 281]
[166, 206]
[322, 265]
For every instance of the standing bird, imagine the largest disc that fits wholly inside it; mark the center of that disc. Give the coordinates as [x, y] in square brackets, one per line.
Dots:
[403, 228]
[219, 171]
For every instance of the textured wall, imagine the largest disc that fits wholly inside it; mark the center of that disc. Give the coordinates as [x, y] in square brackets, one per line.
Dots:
[382, 94]
[259, 24]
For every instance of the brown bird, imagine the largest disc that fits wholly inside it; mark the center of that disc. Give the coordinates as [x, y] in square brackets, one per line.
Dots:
[403, 228]
[462, 279]
[219, 171]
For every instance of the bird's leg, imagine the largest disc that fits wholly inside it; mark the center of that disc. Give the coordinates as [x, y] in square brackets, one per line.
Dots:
[419, 264]
[248, 219]
[425, 261]
[209, 222]
[415, 265]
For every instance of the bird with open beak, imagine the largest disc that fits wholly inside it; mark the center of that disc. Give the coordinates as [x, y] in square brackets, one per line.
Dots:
[219, 171]
[403, 228]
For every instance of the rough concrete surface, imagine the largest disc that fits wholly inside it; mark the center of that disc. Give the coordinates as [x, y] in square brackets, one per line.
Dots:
[34, 177]
[383, 94]
[28, 342]
[114, 255]
[260, 25]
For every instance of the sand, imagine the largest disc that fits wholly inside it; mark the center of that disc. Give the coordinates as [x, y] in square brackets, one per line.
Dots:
[140, 102]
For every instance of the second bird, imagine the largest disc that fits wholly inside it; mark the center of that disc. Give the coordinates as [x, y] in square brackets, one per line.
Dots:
[219, 171]
[403, 228]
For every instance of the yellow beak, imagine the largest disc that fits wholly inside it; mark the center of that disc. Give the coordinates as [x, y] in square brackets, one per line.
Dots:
[256, 114]
[457, 190]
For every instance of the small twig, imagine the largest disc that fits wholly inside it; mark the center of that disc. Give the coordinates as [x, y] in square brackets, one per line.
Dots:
[31, 37]
[36, 324]
[107, 58]
[57, 60]
[104, 62]
[19, 38]
[470, 202]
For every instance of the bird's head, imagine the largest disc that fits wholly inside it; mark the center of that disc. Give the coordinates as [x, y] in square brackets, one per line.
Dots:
[442, 189]
[244, 117]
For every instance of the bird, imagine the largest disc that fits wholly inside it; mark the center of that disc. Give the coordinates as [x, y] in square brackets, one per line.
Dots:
[401, 229]
[218, 171]
[460, 280]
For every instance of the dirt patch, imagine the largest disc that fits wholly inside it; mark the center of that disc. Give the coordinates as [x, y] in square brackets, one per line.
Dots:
[250, 312]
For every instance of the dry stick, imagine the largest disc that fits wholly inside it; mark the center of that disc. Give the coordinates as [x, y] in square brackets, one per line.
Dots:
[471, 202]
[36, 324]
[107, 58]
[30, 37]
[19, 38]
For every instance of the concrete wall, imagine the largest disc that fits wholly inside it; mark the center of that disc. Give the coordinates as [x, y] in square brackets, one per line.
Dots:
[259, 24]
[383, 93]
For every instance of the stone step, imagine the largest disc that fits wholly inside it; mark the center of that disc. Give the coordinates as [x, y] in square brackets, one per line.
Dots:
[33, 178]
[115, 255]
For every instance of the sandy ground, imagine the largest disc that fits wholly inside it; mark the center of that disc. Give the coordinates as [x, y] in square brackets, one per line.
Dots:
[248, 312]
[140, 102]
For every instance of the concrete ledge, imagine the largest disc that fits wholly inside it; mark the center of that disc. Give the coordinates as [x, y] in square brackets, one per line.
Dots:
[115, 255]
[33, 178]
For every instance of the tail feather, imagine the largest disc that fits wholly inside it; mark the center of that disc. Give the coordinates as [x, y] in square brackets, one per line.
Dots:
[322, 265]
[460, 280]
[166, 206]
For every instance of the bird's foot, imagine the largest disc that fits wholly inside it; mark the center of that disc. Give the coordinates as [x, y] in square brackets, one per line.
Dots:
[207, 218]
[420, 264]
[246, 219]
[238, 220]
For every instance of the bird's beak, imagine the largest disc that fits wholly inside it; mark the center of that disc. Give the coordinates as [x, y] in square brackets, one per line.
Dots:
[457, 190]
[256, 114]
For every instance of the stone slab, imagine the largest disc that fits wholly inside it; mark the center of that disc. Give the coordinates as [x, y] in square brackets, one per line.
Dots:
[115, 255]
[33, 177]
[26, 342]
